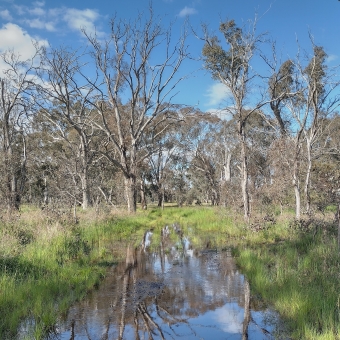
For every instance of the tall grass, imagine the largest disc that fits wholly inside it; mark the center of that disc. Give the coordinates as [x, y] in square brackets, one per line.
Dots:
[299, 276]
[48, 263]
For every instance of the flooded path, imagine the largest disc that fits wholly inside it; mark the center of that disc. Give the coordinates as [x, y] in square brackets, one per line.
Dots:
[172, 293]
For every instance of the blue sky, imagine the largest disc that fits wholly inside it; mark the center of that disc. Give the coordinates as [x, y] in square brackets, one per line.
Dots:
[56, 23]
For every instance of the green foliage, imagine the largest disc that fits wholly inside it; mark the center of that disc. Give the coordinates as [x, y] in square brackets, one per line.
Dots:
[231, 63]
[299, 277]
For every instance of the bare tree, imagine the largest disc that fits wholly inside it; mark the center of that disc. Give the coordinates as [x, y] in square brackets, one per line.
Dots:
[139, 66]
[64, 96]
[15, 105]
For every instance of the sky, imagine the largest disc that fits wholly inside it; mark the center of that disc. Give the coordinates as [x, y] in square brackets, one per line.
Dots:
[288, 22]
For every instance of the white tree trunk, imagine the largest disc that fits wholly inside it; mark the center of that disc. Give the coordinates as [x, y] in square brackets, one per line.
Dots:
[308, 177]
[227, 169]
[131, 194]
[244, 179]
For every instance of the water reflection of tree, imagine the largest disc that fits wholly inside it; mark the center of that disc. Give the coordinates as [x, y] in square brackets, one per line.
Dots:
[151, 294]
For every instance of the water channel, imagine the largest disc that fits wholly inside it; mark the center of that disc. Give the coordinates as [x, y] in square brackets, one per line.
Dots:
[174, 292]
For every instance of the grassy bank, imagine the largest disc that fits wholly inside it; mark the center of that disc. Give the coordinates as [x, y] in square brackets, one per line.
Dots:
[47, 263]
[299, 276]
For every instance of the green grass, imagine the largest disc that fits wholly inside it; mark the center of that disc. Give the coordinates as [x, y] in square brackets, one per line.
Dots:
[45, 266]
[47, 263]
[299, 277]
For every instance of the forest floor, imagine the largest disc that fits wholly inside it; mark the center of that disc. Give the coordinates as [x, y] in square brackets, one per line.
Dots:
[49, 260]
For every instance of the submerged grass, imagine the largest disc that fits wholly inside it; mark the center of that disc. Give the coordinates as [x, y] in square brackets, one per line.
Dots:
[47, 264]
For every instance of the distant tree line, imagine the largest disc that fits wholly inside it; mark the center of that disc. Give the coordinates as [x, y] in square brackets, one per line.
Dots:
[101, 126]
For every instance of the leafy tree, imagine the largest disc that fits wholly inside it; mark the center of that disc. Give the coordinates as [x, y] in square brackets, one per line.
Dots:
[232, 67]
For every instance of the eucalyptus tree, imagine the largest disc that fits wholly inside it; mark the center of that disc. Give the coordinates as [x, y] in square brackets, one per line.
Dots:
[314, 87]
[210, 160]
[139, 66]
[167, 149]
[280, 87]
[320, 86]
[232, 67]
[16, 85]
[63, 98]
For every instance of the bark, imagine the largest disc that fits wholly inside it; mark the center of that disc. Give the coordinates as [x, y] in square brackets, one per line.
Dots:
[308, 178]
[338, 218]
[163, 199]
[277, 113]
[160, 196]
[84, 163]
[296, 185]
[85, 191]
[244, 174]
[227, 168]
[142, 195]
[131, 193]
[12, 195]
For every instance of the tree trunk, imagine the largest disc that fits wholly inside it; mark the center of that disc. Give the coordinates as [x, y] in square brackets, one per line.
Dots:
[131, 193]
[296, 183]
[163, 198]
[308, 178]
[297, 201]
[12, 195]
[244, 178]
[8, 157]
[227, 169]
[84, 170]
[338, 220]
[142, 195]
[160, 197]
[85, 191]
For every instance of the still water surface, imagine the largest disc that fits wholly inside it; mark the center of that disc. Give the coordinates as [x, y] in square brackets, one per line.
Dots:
[172, 293]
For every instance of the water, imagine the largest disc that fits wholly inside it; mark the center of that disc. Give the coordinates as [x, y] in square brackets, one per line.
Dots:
[173, 293]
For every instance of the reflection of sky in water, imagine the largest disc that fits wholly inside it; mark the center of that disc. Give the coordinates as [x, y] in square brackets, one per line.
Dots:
[229, 317]
[206, 295]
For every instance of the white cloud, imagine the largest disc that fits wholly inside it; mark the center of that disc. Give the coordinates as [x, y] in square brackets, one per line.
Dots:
[331, 58]
[39, 3]
[230, 318]
[187, 11]
[6, 15]
[55, 12]
[217, 93]
[39, 17]
[37, 23]
[20, 10]
[38, 11]
[13, 37]
[78, 19]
